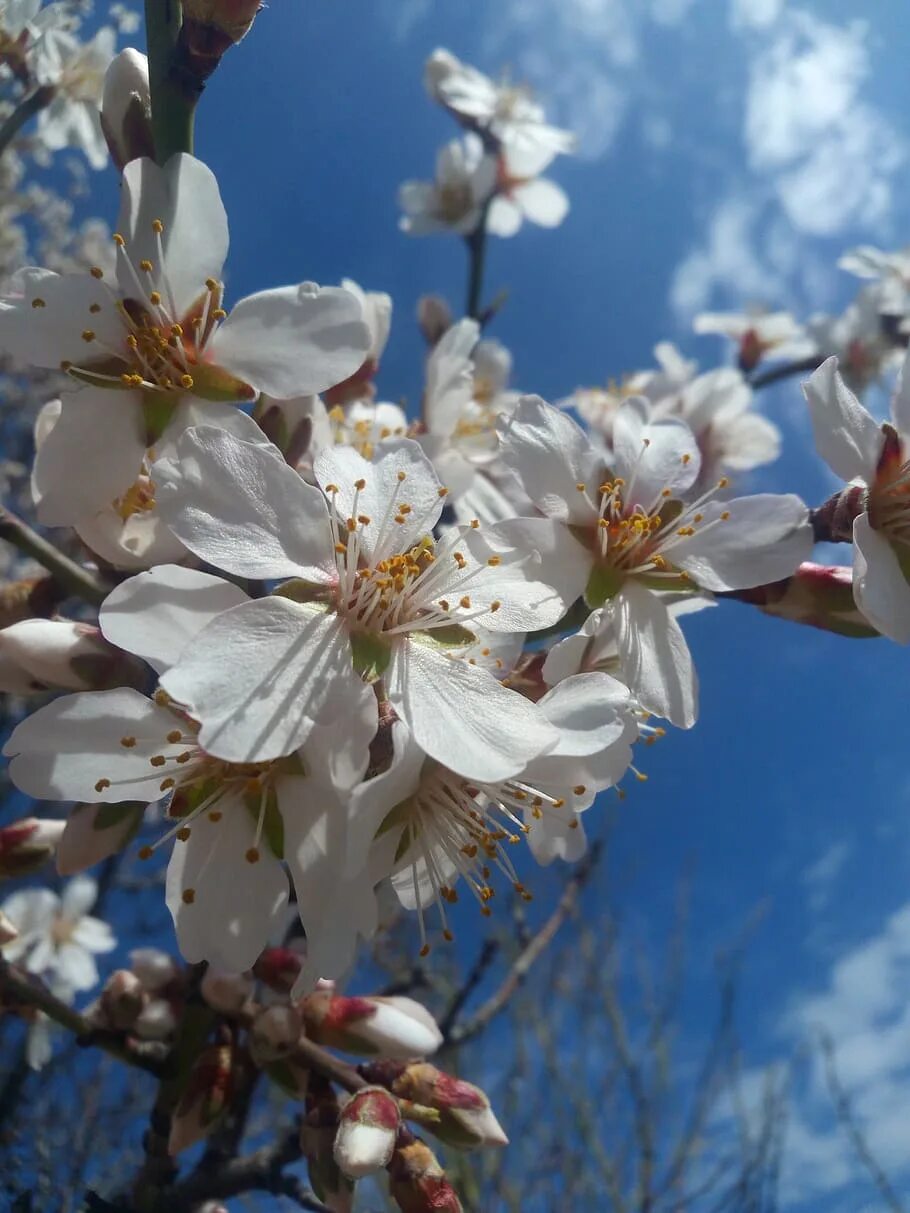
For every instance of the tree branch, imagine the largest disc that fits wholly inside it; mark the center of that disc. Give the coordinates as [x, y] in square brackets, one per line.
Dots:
[77, 581]
[30, 105]
[173, 99]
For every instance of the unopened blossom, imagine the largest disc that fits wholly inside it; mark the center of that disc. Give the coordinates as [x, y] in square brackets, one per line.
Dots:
[76, 70]
[448, 828]
[139, 348]
[58, 939]
[27, 845]
[466, 177]
[874, 510]
[234, 825]
[368, 594]
[65, 655]
[466, 1119]
[394, 1026]
[126, 107]
[206, 1096]
[156, 970]
[417, 1183]
[505, 113]
[641, 536]
[758, 335]
[367, 1130]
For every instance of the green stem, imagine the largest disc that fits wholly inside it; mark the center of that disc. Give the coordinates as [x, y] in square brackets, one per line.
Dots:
[33, 104]
[173, 98]
[71, 576]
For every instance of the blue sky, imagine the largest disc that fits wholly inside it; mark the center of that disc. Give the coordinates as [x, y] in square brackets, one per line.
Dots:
[730, 150]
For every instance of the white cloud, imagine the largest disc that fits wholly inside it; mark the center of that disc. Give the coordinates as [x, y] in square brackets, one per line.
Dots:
[755, 14]
[821, 876]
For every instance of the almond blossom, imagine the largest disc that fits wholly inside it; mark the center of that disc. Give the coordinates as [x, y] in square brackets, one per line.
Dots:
[640, 535]
[77, 70]
[235, 826]
[456, 199]
[521, 193]
[368, 595]
[142, 346]
[875, 461]
[758, 334]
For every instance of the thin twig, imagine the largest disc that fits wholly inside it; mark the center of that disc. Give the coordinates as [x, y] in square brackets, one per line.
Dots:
[485, 958]
[30, 105]
[76, 580]
[775, 373]
[532, 953]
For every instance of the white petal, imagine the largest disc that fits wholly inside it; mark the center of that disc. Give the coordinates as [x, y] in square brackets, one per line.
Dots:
[652, 456]
[461, 716]
[156, 614]
[92, 454]
[504, 217]
[338, 758]
[745, 442]
[551, 456]
[556, 836]
[879, 584]
[374, 799]
[846, 435]
[63, 750]
[235, 905]
[239, 506]
[258, 675]
[589, 711]
[416, 883]
[543, 202]
[31, 910]
[401, 475]
[50, 313]
[764, 538]
[76, 967]
[184, 195]
[78, 897]
[450, 377]
[293, 341]
[94, 935]
[654, 656]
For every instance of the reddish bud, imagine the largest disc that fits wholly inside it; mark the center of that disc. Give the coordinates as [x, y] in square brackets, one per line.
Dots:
[392, 1027]
[818, 595]
[434, 316]
[27, 845]
[417, 1183]
[367, 1132]
[278, 968]
[122, 1000]
[466, 1119]
[205, 1099]
[226, 992]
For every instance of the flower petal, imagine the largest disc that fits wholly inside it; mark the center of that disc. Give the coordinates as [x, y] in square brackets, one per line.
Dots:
[156, 614]
[652, 456]
[589, 711]
[654, 656]
[240, 507]
[879, 585]
[78, 897]
[846, 435]
[747, 542]
[551, 456]
[259, 675]
[48, 313]
[293, 341]
[543, 202]
[461, 716]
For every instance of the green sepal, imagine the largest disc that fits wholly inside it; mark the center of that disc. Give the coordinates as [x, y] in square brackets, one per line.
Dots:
[157, 410]
[371, 655]
[604, 583]
[113, 816]
[452, 636]
[212, 382]
[306, 592]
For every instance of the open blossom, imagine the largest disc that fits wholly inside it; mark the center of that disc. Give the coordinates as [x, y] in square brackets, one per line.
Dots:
[369, 595]
[858, 337]
[641, 537]
[140, 347]
[758, 334]
[503, 112]
[235, 825]
[58, 939]
[892, 270]
[455, 200]
[439, 827]
[875, 461]
[521, 193]
[77, 70]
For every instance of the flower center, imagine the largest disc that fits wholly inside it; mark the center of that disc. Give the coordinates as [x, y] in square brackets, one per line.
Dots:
[454, 201]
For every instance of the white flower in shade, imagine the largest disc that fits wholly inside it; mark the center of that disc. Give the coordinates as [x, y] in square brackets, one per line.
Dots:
[36, 654]
[642, 538]
[23, 24]
[505, 112]
[522, 194]
[377, 315]
[437, 826]
[455, 199]
[875, 461]
[891, 269]
[758, 334]
[370, 595]
[858, 338]
[77, 70]
[58, 939]
[158, 336]
[236, 825]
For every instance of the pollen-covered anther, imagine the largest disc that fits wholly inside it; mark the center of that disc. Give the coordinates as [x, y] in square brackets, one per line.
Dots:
[494, 561]
[102, 784]
[252, 855]
[88, 335]
[157, 760]
[579, 789]
[361, 484]
[184, 833]
[464, 602]
[167, 784]
[725, 516]
[442, 491]
[146, 852]
[188, 896]
[146, 266]
[402, 477]
[97, 272]
[157, 227]
[128, 742]
[495, 605]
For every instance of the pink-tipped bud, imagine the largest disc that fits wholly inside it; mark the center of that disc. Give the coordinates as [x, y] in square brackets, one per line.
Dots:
[438, 69]
[274, 1033]
[126, 108]
[8, 930]
[278, 968]
[95, 831]
[231, 17]
[317, 1142]
[154, 968]
[391, 1027]
[466, 1119]
[122, 1000]
[27, 845]
[367, 1132]
[818, 595]
[226, 992]
[205, 1098]
[156, 1020]
[417, 1183]
[62, 655]
[434, 316]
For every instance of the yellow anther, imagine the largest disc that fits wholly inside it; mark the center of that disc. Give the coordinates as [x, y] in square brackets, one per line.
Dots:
[146, 852]
[118, 240]
[494, 606]
[581, 486]
[38, 302]
[443, 603]
[402, 477]
[174, 736]
[448, 936]
[157, 226]
[219, 313]
[361, 484]
[157, 760]
[167, 784]
[95, 308]
[579, 789]
[425, 950]
[88, 335]
[725, 516]
[186, 381]
[215, 816]
[687, 458]
[183, 833]
[443, 491]
[102, 784]
[154, 298]
[96, 271]
[724, 482]
[364, 519]
[494, 561]
[331, 488]
[146, 266]
[464, 602]
[211, 284]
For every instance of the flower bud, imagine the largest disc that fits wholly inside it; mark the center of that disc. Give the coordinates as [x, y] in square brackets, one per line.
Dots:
[27, 845]
[122, 999]
[434, 316]
[126, 108]
[466, 1119]
[226, 992]
[278, 968]
[211, 27]
[95, 831]
[274, 1033]
[154, 968]
[205, 1098]
[8, 930]
[156, 1020]
[818, 595]
[393, 1027]
[367, 1132]
[232, 18]
[26, 599]
[317, 1141]
[60, 654]
[417, 1183]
